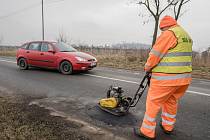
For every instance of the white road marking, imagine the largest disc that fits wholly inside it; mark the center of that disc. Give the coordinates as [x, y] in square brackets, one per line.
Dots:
[7, 61]
[132, 82]
[109, 78]
[199, 93]
[121, 80]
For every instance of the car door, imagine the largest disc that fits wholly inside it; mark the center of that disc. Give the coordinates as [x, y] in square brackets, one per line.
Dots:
[33, 53]
[47, 55]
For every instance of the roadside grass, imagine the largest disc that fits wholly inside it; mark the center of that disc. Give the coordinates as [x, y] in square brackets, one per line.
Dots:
[8, 52]
[130, 61]
[120, 62]
[19, 121]
[201, 72]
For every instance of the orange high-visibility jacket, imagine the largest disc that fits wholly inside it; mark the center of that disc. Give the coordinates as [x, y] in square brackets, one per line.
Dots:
[166, 41]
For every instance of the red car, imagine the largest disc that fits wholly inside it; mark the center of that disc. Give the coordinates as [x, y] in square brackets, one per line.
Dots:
[54, 55]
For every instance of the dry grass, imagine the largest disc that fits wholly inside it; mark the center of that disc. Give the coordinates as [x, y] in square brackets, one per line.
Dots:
[6, 52]
[201, 72]
[19, 121]
[121, 62]
[132, 59]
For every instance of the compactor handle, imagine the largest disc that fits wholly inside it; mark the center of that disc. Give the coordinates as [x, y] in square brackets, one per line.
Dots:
[148, 77]
[141, 89]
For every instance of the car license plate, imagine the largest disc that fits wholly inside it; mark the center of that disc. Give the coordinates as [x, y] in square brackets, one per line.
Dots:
[93, 64]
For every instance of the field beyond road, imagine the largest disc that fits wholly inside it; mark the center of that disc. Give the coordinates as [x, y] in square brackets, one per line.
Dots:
[131, 59]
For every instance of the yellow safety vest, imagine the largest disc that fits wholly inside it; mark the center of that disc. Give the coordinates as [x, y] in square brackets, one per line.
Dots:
[179, 58]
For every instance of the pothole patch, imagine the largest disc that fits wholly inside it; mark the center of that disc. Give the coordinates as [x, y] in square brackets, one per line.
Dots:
[96, 113]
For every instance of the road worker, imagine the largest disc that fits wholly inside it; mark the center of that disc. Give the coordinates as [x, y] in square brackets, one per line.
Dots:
[170, 62]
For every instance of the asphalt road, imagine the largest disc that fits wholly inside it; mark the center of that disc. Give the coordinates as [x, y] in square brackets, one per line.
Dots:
[77, 95]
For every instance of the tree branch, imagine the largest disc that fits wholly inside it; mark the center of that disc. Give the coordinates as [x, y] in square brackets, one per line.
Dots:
[186, 2]
[149, 8]
[175, 9]
[156, 3]
[171, 3]
[157, 6]
[146, 4]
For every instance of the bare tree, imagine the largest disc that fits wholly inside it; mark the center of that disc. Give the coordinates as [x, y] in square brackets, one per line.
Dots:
[62, 37]
[156, 9]
[177, 7]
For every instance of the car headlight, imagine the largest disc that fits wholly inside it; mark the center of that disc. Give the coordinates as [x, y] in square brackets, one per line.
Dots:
[80, 58]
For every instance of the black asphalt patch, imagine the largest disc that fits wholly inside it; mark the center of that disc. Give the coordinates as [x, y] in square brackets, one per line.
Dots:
[96, 113]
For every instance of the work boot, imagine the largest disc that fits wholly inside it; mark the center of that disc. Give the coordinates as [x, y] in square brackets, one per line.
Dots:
[138, 133]
[165, 131]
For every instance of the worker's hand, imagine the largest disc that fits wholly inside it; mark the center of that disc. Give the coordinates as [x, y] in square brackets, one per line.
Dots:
[147, 69]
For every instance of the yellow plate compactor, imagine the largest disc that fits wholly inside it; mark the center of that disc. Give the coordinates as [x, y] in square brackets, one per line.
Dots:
[117, 103]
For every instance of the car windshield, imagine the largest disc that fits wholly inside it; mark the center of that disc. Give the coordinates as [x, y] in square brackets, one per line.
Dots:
[63, 47]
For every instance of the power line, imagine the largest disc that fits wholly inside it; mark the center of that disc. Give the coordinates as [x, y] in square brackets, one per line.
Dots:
[20, 11]
[27, 8]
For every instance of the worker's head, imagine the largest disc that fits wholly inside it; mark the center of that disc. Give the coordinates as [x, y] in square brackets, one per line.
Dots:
[166, 22]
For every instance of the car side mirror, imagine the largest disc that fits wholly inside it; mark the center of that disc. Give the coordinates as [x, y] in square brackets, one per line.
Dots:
[51, 51]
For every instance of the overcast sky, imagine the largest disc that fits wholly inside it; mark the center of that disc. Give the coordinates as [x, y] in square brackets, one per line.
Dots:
[93, 21]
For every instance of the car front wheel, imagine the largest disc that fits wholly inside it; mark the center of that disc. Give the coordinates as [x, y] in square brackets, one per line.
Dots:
[22, 63]
[66, 68]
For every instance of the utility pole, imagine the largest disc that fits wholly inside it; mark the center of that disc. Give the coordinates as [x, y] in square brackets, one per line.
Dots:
[42, 19]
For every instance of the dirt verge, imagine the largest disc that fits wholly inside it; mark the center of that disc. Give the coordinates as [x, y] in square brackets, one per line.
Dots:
[18, 120]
